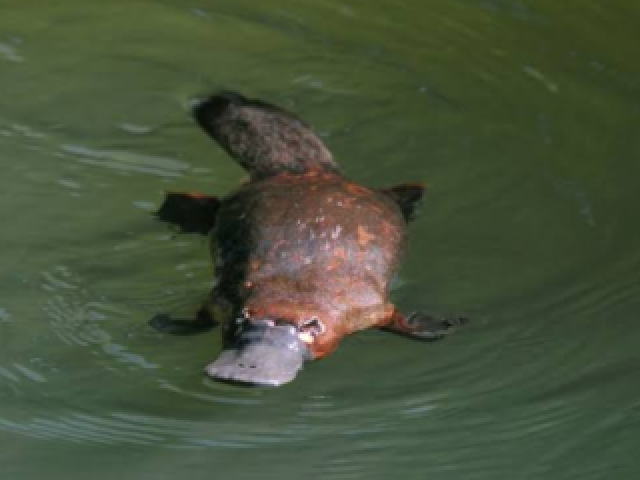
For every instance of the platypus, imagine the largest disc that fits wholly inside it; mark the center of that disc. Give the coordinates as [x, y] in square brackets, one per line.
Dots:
[303, 256]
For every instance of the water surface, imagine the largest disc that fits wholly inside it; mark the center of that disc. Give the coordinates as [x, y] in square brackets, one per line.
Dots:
[522, 118]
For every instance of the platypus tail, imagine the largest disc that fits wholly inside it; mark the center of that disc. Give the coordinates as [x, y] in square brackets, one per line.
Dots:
[261, 137]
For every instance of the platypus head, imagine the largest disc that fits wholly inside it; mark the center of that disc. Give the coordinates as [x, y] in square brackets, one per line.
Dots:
[264, 352]
[263, 138]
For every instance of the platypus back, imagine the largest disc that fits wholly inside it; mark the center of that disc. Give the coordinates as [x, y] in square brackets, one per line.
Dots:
[264, 139]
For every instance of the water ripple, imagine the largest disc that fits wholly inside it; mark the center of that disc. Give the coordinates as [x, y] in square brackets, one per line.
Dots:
[29, 373]
[10, 52]
[130, 428]
[220, 399]
[128, 161]
[75, 317]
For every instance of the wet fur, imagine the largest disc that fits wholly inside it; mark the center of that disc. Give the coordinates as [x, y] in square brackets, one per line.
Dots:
[298, 240]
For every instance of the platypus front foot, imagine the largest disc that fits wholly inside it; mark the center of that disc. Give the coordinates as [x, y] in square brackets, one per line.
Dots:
[164, 323]
[190, 212]
[423, 326]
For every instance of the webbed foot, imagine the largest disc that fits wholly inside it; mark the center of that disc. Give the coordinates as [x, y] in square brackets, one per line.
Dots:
[423, 326]
[164, 323]
[407, 196]
[191, 212]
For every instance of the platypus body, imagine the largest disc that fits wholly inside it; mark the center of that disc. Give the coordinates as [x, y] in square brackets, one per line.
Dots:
[303, 256]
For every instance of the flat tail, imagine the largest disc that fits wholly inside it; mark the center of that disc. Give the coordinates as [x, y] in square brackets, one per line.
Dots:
[266, 140]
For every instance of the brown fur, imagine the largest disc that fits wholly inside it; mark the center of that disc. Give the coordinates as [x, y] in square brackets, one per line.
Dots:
[296, 246]
[299, 241]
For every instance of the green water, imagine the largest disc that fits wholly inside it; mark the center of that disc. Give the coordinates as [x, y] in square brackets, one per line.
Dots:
[522, 117]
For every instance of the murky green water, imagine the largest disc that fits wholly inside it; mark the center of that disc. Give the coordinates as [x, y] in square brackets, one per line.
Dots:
[522, 116]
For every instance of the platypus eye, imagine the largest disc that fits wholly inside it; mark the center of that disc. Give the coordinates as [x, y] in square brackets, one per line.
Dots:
[313, 326]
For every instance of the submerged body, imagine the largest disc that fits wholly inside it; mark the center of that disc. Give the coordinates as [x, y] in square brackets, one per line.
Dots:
[303, 256]
[297, 247]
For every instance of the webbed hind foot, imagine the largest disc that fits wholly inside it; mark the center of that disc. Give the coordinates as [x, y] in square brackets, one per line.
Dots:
[423, 326]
